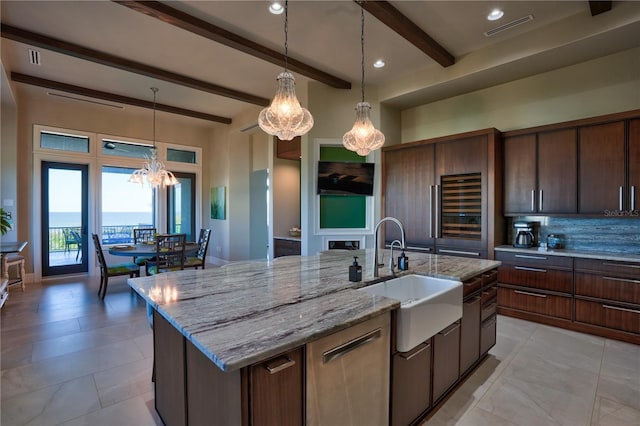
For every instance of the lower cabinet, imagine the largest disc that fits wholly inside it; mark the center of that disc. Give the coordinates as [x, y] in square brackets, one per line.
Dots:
[411, 384]
[446, 359]
[470, 333]
[488, 334]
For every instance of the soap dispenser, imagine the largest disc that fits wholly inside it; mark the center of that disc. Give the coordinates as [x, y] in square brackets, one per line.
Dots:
[355, 271]
[403, 262]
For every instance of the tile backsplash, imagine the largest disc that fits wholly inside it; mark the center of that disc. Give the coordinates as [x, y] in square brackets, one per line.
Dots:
[616, 235]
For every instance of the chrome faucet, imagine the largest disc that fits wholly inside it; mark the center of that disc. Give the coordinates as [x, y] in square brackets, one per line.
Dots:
[391, 263]
[376, 265]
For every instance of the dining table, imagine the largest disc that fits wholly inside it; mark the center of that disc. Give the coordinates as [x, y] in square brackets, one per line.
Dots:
[145, 249]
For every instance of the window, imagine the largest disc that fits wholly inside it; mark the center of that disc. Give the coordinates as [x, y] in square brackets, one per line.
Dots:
[125, 206]
[181, 156]
[60, 141]
[124, 149]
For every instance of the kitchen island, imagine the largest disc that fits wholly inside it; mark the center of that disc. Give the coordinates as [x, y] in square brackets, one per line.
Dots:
[235, 317]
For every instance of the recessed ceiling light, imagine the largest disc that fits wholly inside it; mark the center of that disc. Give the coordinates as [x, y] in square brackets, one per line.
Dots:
[378, 64]
[495, 15]
[276, 8]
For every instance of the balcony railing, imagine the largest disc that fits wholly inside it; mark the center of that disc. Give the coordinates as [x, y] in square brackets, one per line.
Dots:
[59, 239]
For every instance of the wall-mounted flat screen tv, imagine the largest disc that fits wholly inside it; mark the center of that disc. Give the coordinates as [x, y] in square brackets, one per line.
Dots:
[345, 178]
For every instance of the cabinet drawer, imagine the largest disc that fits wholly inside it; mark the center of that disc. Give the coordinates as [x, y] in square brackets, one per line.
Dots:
[538, 303]
[411, 384]
[489, 277]
[489, 294]
[286, 247]
[607, 315]
[625, 290]
[536, 277]
[535, 259]
[622, 269]
[471, 286]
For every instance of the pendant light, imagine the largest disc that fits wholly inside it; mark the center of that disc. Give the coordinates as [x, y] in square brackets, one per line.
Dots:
[285, 118]
[363, 137]
[153, 173]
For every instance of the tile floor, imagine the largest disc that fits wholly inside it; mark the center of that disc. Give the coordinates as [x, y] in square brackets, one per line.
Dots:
[69, 359]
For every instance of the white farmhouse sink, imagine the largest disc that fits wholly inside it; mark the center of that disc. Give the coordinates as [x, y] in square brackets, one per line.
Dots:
[427, 306]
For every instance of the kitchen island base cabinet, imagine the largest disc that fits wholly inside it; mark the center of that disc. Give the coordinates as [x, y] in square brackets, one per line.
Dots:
[411, 385]
[446, 360]
[470, 333]
[348, 376]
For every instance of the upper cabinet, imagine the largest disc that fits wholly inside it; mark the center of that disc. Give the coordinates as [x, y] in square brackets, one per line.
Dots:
[589, 167]
[602, 168]
[446, 192]
[540, 171]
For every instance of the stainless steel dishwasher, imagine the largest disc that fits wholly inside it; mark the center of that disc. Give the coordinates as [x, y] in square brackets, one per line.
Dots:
[348, 376]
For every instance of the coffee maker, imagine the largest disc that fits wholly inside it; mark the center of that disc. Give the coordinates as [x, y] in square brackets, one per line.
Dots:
[523, 234]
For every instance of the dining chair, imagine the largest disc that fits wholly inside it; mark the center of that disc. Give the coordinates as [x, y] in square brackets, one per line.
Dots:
[199, 259]
[107, 271]
[169, 254]
[143, 235]
[78, 242]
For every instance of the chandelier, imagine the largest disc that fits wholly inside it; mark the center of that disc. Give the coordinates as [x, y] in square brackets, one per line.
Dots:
[363, 137]
[285, 118]
[153, 172]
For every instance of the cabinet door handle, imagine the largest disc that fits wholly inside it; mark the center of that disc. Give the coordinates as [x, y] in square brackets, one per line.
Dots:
[409, 355]
[489, 322]
[540, 200]
[622, 265]
[342, 350]
[430, 211]
[615, 308]
[472, 301]
[447, 331]
[620, 206]
[470, 253]
[419, 248]
[526, 293]
[633, 197]
[524, 268]
[528, 256]
[533, 200]
[621, 280]
[279, 364]
[437, 229]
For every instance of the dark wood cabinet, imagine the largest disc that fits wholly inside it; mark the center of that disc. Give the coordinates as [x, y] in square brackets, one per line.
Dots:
[409, 179]
[411, 384]
[470, 333]
[286, 247]
[446, 360]
[608, 294]
[277, 389]
[602, 168]
[447, 192]
[541, 172]
[536, 283]
[289, 150]
[634, 165]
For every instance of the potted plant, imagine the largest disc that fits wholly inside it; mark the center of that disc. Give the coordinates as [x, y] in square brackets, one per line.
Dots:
[5, 225]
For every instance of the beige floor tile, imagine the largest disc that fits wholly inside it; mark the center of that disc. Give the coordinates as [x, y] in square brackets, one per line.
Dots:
[137, 411]
[124, 382]
[52, 405]
[610, 413]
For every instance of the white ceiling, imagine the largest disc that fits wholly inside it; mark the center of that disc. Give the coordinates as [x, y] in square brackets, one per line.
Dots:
[324, 34]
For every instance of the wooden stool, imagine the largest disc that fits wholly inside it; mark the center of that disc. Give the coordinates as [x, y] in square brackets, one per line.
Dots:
[15, 260]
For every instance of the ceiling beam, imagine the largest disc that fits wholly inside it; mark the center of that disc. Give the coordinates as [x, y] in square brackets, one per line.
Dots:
[212, 32]
[96, 94]
[77, 51]
[598, 7]
[391, 17]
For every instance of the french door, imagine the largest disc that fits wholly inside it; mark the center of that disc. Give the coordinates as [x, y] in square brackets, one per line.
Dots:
[64, 218]
[181, 206]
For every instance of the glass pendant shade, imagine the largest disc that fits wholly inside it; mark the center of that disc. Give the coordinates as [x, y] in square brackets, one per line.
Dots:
[153, 173]
[363, 137]
[285, 118]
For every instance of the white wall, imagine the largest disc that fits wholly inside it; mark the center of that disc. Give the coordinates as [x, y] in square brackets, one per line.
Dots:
[596, 87]
[286, 196]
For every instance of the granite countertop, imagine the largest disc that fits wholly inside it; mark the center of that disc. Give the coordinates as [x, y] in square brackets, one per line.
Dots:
[246, 312]
[601, 255]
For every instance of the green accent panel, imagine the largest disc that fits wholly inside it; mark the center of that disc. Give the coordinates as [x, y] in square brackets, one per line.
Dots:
[342, 211]
[339, 153]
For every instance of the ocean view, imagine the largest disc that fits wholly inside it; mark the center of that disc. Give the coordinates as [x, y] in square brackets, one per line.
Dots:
[60, 219]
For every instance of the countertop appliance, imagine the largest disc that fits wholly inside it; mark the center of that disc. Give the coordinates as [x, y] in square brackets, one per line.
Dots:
[523, 234]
